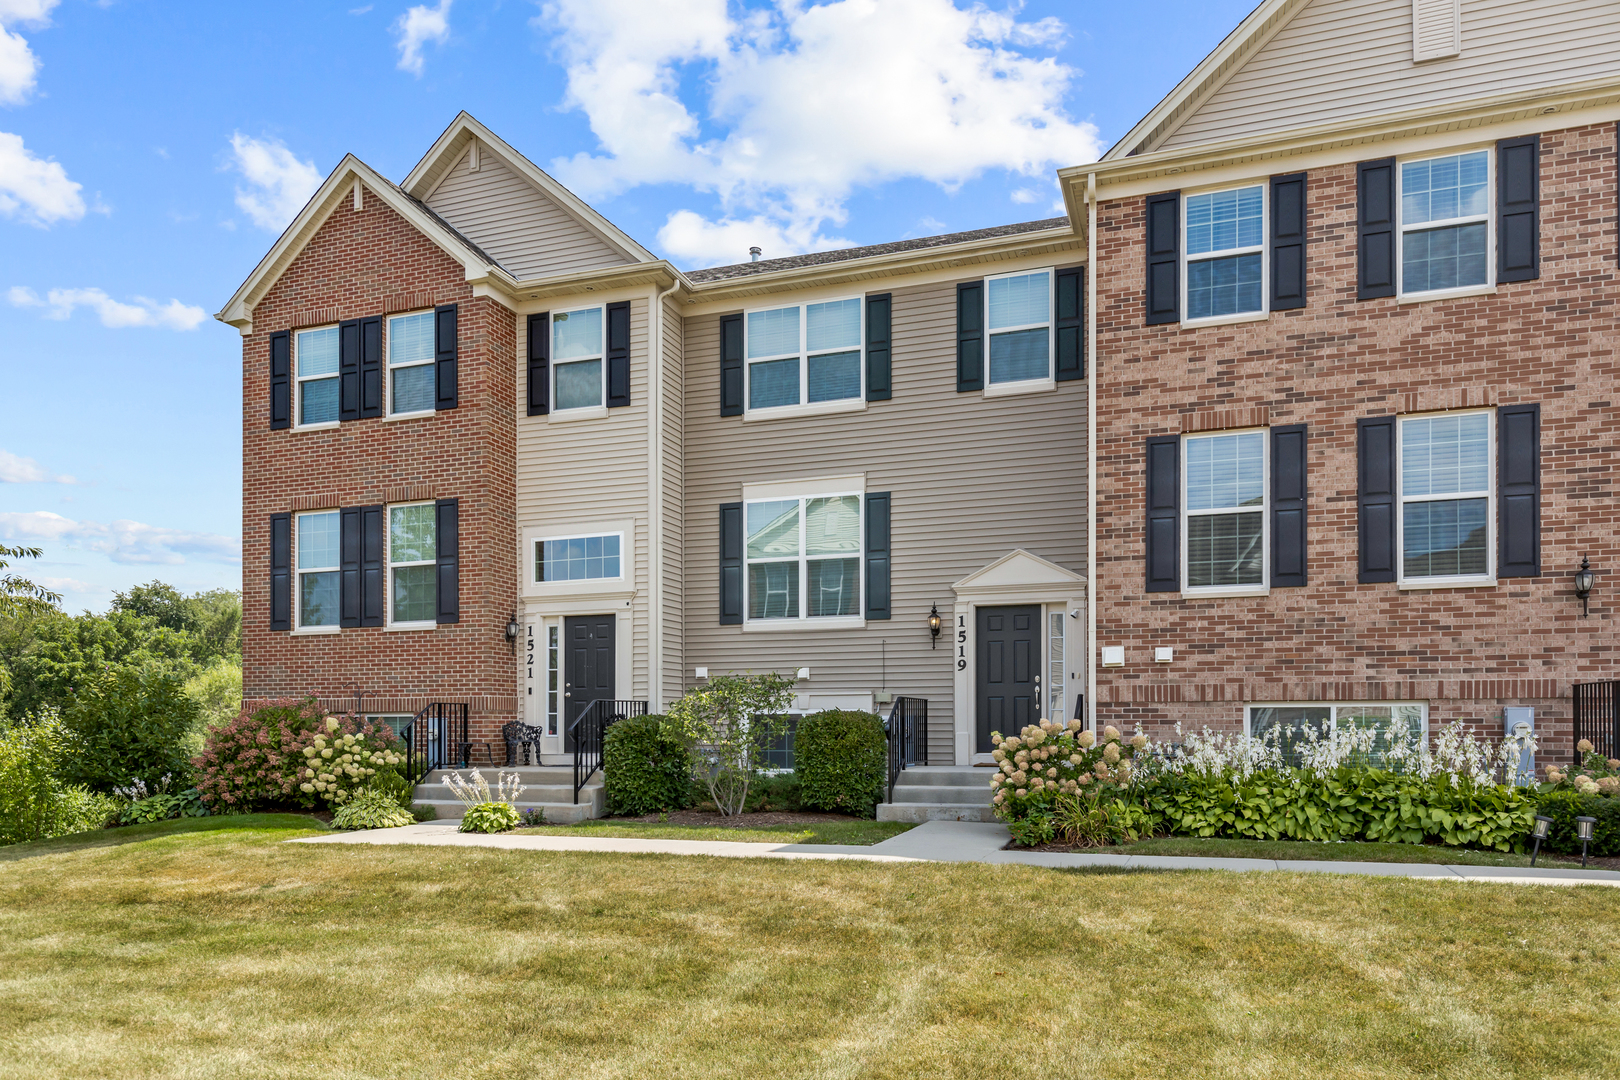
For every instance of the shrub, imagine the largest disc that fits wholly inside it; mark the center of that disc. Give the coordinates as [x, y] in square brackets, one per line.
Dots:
[645, 767]
[841, 761]
[727, 726]
[132, 724]
[344, 757]
[780, 793]
[289, 753]
[217, 691]
[1045, 762]
[490, 817]
[1564, 806]
[34, 802]
[424, 812]
[371, 810]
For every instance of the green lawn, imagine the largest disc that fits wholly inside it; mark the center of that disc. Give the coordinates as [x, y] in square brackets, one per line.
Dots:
[1346, 852]
[209, 949]
[853, 831]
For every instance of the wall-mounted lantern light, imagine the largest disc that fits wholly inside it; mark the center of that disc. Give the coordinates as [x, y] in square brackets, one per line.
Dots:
[933, 626]
[1583, 829]
[1543, 827]
[1585, 578]
[511, 628]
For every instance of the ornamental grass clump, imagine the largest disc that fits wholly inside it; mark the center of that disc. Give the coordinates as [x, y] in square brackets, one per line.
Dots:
[1051, 778]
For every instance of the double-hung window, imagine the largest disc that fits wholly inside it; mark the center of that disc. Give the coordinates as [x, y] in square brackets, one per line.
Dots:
[315, 357]
[804, 558]
[413, 540]
[1018, 315]
[804, 355]
[1226, 237]
[577, 359]
[1224, 524]
[319, 573]
[410, 363]
[1445, 222]
[1447, 498]
[579, 558]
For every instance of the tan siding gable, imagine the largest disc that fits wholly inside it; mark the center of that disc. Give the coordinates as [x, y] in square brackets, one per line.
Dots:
[504, 214]
[1340, 59]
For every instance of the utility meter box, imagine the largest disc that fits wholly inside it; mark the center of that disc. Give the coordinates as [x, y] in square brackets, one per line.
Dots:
[1521, 720]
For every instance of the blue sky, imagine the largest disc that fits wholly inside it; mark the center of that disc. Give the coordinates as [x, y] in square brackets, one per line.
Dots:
[151, 152]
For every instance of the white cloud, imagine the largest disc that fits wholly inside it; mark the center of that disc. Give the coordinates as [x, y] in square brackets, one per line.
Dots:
[807, 103]
[281, 184]
[36, 189]
[21, 470]
[60, 304]
[1025, 195]
[18, 64]
[121, 541]
[71, 585]
[693, 237]
[418, 26]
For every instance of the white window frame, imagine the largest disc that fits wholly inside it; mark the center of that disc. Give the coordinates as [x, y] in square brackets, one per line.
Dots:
[388, 562]
[578, 411]
[1226, 253]
[537, 550]
[805, 619]
[389, 367]
[298, 573]
[804, 406]
[1333, 708]
[1263, 588]
[1401, 499]
[299, 378]
[1023, 386]
[1489, 218]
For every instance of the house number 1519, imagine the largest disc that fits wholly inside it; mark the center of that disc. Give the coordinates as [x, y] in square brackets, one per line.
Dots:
[961, 643]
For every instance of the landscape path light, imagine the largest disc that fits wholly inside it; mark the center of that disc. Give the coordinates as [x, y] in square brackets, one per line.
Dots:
[1542, 827]
[1583, 829]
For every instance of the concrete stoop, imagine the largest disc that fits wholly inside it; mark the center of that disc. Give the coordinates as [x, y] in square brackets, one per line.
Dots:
[939, 793]
[546, 787]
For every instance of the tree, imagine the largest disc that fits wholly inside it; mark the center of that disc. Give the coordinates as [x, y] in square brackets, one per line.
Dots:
[729, 723]
[131, 724]
[212, 619]
[18, 592]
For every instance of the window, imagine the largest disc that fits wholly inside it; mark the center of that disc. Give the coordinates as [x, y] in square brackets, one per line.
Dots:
[576, 359]
[803, 355]
[804, 558]
[410, 363]
[316, 357]
[1445, 222]
[578, 558]
[1446, 497]
[1292, 722]
[1226, 235]
[553, 668]
[1019, 317]
[1224, 525]
[412, 563]
[1056, 710]
[400, 723]
[319, 572]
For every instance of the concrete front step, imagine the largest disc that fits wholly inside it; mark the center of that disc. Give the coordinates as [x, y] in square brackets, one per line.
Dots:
[939, 793]
[557, 813]
[549, 788]
[915, 812]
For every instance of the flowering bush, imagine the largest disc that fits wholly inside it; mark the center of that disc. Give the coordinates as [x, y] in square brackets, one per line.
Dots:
[290, 752]
[344, 758]
[487, 811]
[1595, 775]
[1049, 762]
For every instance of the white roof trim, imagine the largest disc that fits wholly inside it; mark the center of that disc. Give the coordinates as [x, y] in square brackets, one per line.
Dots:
[1019, 569]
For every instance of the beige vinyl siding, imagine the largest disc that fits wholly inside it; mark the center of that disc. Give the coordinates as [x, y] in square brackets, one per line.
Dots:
[970, 480]
[674, 497]
[501, 212]
[1341, 59]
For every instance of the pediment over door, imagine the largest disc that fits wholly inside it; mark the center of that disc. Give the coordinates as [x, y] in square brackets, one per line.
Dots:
[1020, 576]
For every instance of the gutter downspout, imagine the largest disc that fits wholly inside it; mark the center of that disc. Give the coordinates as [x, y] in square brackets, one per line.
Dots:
[1091, 452]
[655, 505]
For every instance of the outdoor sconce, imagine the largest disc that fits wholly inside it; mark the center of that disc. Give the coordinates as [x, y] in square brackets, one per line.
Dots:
[933, 626]
[1542, 828]
[1583, 829]
[511, 629]
[1585, 577]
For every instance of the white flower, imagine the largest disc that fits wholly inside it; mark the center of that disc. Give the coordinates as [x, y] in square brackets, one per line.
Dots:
[306, 788]
[309, 751]
[327, 753]
[331, 724]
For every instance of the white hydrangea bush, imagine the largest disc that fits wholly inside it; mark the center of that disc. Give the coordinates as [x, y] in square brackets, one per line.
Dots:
[1048, 759]
[338, 764]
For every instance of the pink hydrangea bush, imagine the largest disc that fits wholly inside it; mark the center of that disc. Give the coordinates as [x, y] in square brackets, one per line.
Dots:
[268, 757]
[1054, 771]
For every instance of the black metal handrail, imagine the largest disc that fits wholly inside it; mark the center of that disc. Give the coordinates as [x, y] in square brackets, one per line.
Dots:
[908, 736]
[590, 729]
[435, 737]
[1597, 717]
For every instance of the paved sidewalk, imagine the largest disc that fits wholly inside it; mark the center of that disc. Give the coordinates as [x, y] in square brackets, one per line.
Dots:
[949, 841]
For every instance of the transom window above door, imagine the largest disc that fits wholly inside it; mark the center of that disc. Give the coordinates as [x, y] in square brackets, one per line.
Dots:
[577, 366]
[578, 558]
[1018, 315]
[1224, 524]
[1226, 236]
[1445, 222]
[315, 360]
[803, 355]
[410, 363]
[804, 558]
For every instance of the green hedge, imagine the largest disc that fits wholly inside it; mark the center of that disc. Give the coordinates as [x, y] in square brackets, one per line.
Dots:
[645, 767]
[840, 759]
[1565, 806]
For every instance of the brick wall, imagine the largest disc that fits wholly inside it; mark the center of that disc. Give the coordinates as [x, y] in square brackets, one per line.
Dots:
[1466, 651]
[360, 264]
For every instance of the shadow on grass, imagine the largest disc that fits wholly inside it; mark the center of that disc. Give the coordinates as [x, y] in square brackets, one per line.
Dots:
[134, 834]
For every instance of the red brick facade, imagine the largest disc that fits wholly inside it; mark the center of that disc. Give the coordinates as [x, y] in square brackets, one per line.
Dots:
[1467, 652]
[359, 264]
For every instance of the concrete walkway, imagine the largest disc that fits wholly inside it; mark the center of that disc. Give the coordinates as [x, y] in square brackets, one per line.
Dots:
[948, 841]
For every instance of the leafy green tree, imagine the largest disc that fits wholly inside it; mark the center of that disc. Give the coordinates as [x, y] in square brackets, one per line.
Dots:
[17, 591]
[217, 690]
[212, 619]
[51, 655]
[132, 723]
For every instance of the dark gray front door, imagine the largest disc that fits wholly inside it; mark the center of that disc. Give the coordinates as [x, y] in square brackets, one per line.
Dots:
[587, 667]
[1009, 671]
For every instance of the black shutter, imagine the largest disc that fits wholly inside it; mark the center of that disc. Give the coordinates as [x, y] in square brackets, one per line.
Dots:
[1518, 495]
[877, 555]
[969, 336]
[540, 364]
[371, 367]
[1163, 531]
[1287, 242]
[373, 574]
[1164, 258]
[446, 356]
[1375, 499]
[1375, 232]
[349, 587]
[449, 561]
[731, 564]
[731, 370]
[1069, 326]
[618, 354]
[879, 376]
[349, 370]
[280, 380]
[280, 571]
[1518, 209]
[1288, 491]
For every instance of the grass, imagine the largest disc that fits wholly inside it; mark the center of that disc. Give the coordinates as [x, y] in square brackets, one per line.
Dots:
[210, 949]
[1345, 852]
[853, 832]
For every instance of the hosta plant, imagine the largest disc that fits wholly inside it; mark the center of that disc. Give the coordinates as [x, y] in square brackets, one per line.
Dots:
[490, 817]
[372, 810]
[487, 811]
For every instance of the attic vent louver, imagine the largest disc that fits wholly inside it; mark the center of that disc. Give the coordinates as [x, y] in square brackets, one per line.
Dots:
[1436, 29]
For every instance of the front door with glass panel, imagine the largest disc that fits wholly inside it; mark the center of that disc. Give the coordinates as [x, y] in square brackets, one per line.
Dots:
[1009, 675]
[588, 671]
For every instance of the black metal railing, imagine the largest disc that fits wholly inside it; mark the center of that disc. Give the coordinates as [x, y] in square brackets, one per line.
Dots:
[590, 729]
[908, 736]
[1597, 717]
[435, 738]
